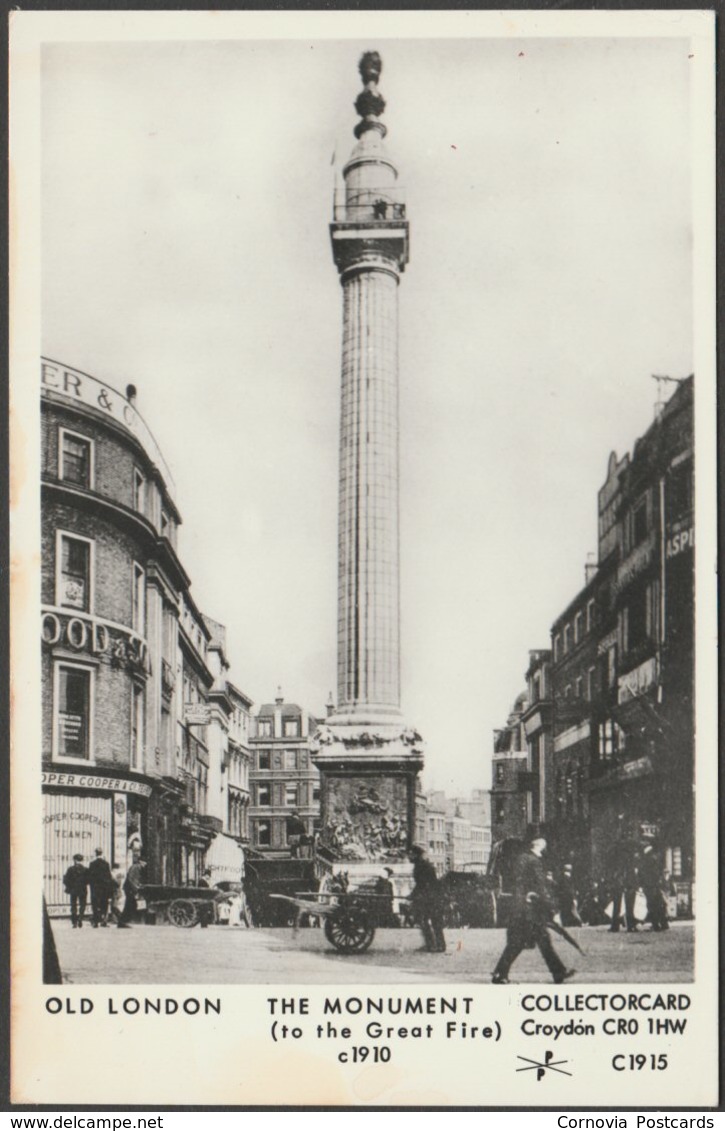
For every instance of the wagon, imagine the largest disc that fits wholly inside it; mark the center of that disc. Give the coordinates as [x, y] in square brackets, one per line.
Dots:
[349, 918]
[183, 906]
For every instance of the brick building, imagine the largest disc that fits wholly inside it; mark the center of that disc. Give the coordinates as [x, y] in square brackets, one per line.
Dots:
[128, 735]
[509, 807]
[283, 779]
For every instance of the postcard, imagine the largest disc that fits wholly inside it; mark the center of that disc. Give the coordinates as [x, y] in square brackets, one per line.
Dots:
[364, 498]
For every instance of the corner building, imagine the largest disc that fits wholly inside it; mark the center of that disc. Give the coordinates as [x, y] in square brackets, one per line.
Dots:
[125, 678]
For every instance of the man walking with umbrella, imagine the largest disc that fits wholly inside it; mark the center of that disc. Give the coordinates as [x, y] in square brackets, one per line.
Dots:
[530, 916]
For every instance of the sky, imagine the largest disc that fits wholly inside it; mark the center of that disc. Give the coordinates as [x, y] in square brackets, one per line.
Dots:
[187, 193]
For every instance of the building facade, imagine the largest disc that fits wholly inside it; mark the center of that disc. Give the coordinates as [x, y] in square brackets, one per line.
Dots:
[509, 780]
[126, 758]
[609, 712]
[283, 779]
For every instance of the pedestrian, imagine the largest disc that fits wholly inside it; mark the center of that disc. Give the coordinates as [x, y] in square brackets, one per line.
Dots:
[567, 897]
[385, 893]
[427, 900]
[532, 910]
[651, 878]
[131, 888]
[207, 909]
[75, 882]
[101, 884]
[117, 875]
[625, 882]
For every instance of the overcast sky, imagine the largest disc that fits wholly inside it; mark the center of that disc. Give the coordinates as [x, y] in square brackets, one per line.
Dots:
[187, 196]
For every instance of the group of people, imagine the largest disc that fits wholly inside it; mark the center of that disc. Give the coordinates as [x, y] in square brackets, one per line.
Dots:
[107, 886]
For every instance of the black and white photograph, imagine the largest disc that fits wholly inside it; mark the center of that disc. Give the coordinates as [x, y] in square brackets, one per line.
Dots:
[363, 457]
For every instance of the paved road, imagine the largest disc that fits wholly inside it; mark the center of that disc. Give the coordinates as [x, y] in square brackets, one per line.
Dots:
[222, 955]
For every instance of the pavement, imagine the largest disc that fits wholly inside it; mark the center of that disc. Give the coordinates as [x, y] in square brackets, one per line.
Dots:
[222, 955]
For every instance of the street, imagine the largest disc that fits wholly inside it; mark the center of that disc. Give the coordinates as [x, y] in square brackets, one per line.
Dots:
[157, 955]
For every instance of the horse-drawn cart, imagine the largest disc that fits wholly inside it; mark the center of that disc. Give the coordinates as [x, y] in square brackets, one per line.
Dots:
[183, 906]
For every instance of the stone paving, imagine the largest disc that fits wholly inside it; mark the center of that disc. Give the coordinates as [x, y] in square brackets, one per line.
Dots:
[219, 955]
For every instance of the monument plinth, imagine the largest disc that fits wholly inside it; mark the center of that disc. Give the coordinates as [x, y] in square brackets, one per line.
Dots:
[368, 756]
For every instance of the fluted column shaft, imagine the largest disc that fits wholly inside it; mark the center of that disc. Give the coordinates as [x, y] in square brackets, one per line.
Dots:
[368, 579]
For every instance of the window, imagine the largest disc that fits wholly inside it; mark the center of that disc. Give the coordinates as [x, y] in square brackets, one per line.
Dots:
[137, 726]
[76, 459]
[291, 728]
[74, 573]
[138, 600]
[567, 638]
[591, 683]
[73, 716]
[290, 794]
[315, 793]
[263, 795]
[612, 666]
[139, 491]
[579, 687]
[640, 524]
[263, 760]
[591, 615]
[264, 832]
[264, 728]
[499, 774]
[557, 646]
[165, 524]
[578, 627]
[289, 760]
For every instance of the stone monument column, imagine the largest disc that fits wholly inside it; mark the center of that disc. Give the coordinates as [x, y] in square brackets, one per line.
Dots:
[368, 756]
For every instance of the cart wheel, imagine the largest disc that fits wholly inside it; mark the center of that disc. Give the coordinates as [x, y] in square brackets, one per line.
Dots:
[182, 913]
[349, 930]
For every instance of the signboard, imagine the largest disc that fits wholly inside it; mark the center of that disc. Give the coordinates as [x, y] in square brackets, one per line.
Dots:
[81, 388]
[71, 825]
[637, 681]
[84, 633]
[96, 782]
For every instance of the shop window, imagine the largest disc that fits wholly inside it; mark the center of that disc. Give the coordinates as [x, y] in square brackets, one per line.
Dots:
[76, 459]
[264, 728]
[138, 600]
[289, 760]
[263, 795]
[290, 795]
[74, 579]
[139, 491]
[264, 833]
[138, 699]
[73, 700]
[291, 728]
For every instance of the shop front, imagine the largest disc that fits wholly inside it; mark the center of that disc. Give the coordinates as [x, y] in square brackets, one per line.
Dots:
[85, 811]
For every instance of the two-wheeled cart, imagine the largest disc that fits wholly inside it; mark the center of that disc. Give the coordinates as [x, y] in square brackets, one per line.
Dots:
[183, 906]
[349, 918]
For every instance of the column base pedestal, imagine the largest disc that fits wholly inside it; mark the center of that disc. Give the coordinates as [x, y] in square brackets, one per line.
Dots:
[368, 778]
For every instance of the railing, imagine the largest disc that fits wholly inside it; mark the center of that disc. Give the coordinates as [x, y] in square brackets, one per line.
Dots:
[371, 205]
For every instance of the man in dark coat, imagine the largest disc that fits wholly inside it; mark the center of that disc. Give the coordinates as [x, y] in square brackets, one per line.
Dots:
[530, 913]
[75, 882]
[101, 884]
[650, 875]
[426, 900]
[385, 892]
